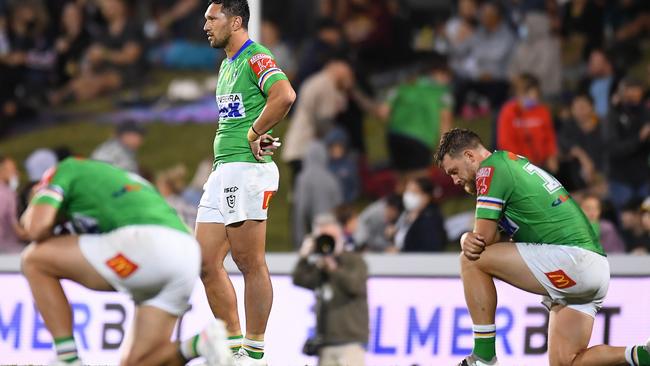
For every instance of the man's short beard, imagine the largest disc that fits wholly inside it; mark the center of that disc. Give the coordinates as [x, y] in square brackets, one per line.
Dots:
[470, 187]
[222, 44]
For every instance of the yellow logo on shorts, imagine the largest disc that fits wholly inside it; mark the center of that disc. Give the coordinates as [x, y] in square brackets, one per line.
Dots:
[560, 279]
[121, 265]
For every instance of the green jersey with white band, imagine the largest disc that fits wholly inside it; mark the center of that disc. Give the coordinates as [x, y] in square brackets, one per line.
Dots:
[242, 88]
[530, 205]
[97, 197]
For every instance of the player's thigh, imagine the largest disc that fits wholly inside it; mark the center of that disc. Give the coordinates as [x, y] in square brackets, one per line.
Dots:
[152, 328]
[213, 241]
[247, 241]
[569, 332]
[61, 257]
[503, 261]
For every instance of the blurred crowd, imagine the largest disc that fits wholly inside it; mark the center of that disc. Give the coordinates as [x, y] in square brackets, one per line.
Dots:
[562, 82]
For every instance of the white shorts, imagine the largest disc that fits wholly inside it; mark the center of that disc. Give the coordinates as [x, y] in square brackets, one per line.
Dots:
[156, 265]
[236, 192]
[575, 277]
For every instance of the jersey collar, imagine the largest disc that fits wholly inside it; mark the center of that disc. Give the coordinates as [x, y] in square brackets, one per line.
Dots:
[243, 47]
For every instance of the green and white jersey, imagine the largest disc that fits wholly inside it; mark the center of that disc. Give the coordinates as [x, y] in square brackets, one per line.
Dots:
[97, 197]
[242, 88]
[530, 205]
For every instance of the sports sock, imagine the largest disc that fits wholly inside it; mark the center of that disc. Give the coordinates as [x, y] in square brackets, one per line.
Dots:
[254, 348]
[637, 356]
[234, 342]
[188, 348]
[66, 349]
[484, 341]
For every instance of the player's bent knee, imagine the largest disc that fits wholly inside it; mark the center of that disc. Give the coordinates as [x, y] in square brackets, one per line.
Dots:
[29, 259]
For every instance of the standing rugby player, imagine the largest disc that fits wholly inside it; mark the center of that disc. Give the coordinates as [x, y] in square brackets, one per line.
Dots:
[253, 95]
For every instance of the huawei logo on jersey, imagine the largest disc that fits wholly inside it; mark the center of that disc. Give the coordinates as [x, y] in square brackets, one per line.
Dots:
[560, 280]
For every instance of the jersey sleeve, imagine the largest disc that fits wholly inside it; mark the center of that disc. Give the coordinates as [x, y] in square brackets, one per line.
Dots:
[265, 71]
[493, 189]
[52, 188]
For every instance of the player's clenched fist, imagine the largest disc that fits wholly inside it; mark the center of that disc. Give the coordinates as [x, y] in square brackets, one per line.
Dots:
[472, 245]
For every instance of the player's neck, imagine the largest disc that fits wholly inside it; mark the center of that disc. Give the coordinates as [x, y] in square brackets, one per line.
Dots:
[483, 154]
[237, 41]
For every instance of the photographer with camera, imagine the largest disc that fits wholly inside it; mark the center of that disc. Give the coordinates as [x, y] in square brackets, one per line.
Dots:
[338, 278]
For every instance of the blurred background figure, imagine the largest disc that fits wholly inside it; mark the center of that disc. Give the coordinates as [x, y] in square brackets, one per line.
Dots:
[633, 229]
[12, 235]
[322, 97]
[339, 281]
[581, 142]
[317, 191]
[601, 80]
[628, 144]
[121, 150]
[606, 231]
[525, 125]
[376, 224]
[420, 228]
[343, 164]
[418, 113]
[272, 39]
[538, 54]
[171, 183]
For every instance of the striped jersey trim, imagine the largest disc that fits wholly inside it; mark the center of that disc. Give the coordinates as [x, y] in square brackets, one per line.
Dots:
[489, 203]
[268, 73]
[50, 193]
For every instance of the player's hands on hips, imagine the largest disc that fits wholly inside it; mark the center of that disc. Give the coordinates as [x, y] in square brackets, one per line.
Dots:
[473, 245]
[265, 145]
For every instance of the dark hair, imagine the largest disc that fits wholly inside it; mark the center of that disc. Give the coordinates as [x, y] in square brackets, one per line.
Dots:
[526, 82]
[236, 8]
[455, 141]
[586, 96]
[344, 213]
[425, 184]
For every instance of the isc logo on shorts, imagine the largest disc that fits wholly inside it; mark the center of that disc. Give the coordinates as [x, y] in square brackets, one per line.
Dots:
[231, 106]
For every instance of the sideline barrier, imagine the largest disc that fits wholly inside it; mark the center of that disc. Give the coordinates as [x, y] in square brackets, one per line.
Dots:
[417, 315]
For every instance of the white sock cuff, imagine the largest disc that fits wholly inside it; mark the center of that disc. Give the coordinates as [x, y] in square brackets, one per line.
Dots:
[629, 357]
[253, 343]
[484, 330]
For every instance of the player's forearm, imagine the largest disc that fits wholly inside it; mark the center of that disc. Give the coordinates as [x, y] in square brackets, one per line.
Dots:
[280, 100]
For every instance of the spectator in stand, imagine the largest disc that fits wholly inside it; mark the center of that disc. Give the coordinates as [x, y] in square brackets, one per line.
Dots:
[628, 144]
[71, 44]
[26, 69]
[581, 144]
[11, 233]
[421, 227]
[601, 81]
[347, 216]
[327, 43]
[121, 150]
[171, 183]
[484, 69]
[272, 39]
[317, 191]
[322, 97]
[582, 25]
[606, 231]
[633, 230]
[629, 22]
[418, 113]
[343, 164]
[538, 54]
[112, 61]
[376, 225]
[459, 32]
[525, 126]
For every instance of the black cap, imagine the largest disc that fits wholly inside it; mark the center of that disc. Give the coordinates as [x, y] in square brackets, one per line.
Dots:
[130, 126]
